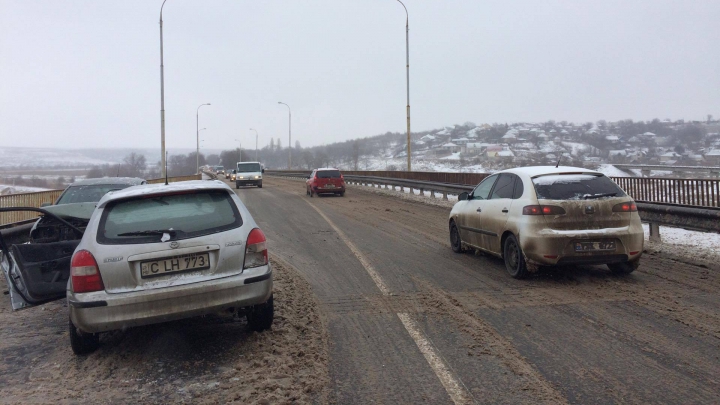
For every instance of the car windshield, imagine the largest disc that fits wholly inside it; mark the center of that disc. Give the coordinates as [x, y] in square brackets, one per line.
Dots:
[181, 216]
[248, 167]
[575, 187]
[328, 174]
[89, 193]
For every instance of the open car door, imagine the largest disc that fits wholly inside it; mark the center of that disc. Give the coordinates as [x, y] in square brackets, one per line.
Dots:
[37, 273]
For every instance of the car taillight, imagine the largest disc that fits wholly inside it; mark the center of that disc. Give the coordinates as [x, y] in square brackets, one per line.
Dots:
[256, 250]
[84, 273]
[625, 207]
[543, 210]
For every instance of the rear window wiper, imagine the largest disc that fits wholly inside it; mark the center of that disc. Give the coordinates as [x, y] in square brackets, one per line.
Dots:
[589, 196]
[171, 232]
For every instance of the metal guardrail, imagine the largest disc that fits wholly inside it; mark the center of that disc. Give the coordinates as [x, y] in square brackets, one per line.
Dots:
[704, 219]
[176, 179]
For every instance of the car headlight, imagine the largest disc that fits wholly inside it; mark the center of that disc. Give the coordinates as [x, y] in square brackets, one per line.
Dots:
[257, 177]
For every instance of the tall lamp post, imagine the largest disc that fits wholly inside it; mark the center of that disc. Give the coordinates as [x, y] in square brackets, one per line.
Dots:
[289, 134]
[407, 74]
[163, 163]
[256, 143]
[240, 148]
[197, 135]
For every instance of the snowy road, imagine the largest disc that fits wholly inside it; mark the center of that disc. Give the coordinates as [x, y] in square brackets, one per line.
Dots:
[387, 313]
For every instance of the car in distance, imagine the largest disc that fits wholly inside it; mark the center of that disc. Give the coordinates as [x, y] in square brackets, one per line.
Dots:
[249, 174]
[233, 174]
[327, 180]
[228, 173]
[546, 216]
[149, 254]
[219, 170]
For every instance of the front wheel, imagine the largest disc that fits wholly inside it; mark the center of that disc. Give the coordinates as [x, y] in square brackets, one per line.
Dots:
[514, 258]
[261, 316]
[81, 342]
[624, 267]
[455, 241]
[237, 186]
[260, 185]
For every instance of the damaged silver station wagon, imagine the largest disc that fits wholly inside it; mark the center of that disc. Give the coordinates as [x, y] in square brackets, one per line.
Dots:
[144, 255]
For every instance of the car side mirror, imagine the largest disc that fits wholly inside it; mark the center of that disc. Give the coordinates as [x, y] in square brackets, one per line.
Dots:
[263, 170]
[43, 205]
[463, 196]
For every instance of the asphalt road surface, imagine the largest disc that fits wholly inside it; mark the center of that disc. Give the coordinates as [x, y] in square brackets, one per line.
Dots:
[375, 308]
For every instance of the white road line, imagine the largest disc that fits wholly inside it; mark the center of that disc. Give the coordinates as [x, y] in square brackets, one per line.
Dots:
[457, 393]
[366, 264]
[453, 387]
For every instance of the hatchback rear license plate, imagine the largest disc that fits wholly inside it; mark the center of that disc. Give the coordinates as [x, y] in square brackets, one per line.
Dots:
[175, 264]
[594, 246]
[330, 186]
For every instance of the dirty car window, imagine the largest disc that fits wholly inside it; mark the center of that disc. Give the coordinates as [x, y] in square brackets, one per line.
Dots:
[328, 174]
[81, 194]
[190, 214]
[574, 187]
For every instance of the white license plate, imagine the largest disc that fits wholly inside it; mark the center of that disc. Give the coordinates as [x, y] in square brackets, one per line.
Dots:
[329, 186]
[175, 264]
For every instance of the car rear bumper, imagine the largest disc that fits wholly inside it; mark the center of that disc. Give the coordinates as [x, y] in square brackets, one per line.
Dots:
[548, 248]
[319, 190]
[101, 312]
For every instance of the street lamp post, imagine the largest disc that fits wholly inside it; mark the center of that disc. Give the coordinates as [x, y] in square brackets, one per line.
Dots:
[256, 143]
[163, 163]
[407, 74]
[289, 134]
[197, 134]
[240, 148]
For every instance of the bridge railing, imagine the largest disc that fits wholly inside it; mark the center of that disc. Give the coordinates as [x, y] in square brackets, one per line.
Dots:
[35, 200]
[687, 192]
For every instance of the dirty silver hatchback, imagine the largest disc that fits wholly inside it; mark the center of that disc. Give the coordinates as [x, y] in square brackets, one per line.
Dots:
[157, 253]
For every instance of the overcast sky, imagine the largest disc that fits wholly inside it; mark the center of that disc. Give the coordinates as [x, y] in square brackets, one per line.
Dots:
[87, 73]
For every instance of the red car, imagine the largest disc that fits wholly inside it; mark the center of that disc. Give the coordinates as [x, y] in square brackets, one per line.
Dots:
[325, 181]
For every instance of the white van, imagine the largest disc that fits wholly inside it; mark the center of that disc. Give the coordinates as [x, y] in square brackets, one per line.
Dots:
[249, 173]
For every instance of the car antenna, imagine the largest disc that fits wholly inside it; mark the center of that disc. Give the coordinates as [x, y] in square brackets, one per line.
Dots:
[166, 174]
[558, 162]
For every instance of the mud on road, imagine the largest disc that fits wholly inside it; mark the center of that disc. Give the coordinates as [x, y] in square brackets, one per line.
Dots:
[212, 359]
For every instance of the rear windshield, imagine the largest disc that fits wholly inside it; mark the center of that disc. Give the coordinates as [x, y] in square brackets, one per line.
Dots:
[575, 187]
[81, 194]
[328, 174]
[248, 167]
[180, 216]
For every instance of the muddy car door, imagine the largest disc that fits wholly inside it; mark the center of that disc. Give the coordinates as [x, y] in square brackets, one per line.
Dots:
[37, 273]
[470, 223]
[496, 211]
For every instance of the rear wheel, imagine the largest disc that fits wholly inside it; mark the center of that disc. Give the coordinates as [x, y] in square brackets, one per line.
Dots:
[342, 194]
[311, 192]
[81, 342]
[624, 268]
[455, 241]
[260, 317]
[514, 258]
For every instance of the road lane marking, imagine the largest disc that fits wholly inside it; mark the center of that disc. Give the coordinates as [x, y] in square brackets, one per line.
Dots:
[450, 382]
[457, 393]
[365, 263]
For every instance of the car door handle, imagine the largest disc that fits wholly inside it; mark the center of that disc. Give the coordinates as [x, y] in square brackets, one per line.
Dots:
[479, 210]
[505, 210]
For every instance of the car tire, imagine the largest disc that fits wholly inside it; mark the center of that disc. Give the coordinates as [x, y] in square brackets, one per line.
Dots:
[83, 343]
[455, 241]
[342, 194]
[260, 185]
[237, 186]
[261, 316]
[624, 267]
[514, 258]
[311, 192]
